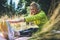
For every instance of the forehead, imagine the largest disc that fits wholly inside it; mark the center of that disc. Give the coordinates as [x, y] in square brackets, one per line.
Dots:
[33, 7]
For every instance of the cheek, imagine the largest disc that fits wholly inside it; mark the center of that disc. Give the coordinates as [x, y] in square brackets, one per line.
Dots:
[33, 11]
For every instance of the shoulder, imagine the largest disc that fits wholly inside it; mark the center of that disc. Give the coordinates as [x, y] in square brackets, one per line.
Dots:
[41, 12]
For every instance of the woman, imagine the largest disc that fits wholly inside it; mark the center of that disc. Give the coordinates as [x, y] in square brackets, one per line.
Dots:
[36, 16]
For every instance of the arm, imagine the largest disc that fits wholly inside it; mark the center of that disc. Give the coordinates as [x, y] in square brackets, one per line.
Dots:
[16, 21]
[38, 16]
[11, 21]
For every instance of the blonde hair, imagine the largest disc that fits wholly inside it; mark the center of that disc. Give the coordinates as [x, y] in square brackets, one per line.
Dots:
[36, 5]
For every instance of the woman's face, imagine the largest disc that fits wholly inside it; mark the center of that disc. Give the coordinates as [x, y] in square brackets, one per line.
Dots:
[33, 10]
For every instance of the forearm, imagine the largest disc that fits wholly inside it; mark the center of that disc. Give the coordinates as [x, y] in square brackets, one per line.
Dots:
[13, 21]
[17, 21]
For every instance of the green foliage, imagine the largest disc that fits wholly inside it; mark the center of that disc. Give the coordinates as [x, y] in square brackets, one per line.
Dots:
[45, 5]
